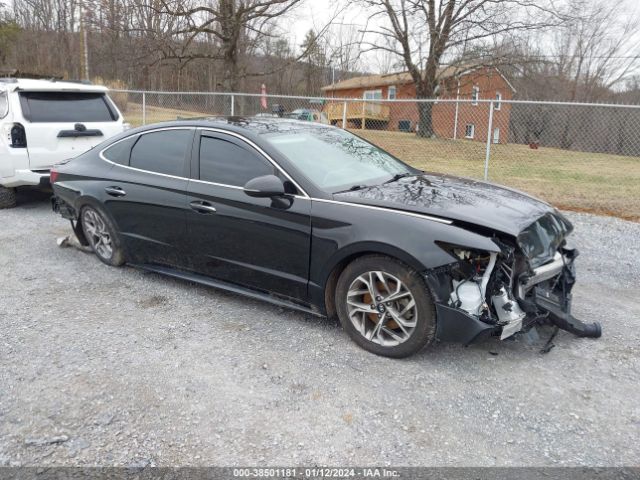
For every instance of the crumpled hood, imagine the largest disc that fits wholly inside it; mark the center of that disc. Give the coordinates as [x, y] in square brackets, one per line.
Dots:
[465, 200]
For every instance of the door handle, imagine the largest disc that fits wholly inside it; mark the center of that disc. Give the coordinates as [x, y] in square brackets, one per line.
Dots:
[203, 207]
[115, 191]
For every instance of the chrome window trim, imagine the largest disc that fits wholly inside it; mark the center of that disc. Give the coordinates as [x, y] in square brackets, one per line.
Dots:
[260, 151]
[385, 209]
[235, 187]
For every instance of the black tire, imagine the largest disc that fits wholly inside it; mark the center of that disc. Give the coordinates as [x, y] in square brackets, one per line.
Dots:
[424, 318]
[7, 197]
[90, 217]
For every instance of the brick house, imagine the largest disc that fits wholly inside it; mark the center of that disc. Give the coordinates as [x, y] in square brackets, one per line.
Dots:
[451, 119]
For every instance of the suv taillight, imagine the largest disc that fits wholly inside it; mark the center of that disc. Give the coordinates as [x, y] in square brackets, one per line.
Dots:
[18, 136]
[53, 176]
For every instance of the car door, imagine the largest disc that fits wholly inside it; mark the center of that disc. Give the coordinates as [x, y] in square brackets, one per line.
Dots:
[261, 243]
[146, 194]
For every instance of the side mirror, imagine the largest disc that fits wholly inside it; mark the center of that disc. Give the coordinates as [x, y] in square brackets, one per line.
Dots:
[264, 187]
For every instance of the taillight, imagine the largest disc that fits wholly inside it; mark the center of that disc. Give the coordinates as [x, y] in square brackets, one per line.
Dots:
[53, 176]
[18, 136]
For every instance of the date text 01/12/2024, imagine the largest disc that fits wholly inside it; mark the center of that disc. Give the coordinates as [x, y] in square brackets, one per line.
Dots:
[315, 472]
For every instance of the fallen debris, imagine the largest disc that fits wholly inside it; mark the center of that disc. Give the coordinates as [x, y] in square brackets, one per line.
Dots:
[72, 241]
[43, 441]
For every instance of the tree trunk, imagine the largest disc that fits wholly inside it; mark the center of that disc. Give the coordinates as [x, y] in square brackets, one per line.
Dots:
[425, 120]
[425, 91]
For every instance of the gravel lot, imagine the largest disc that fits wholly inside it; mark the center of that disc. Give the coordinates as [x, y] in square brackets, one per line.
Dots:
[107, 366]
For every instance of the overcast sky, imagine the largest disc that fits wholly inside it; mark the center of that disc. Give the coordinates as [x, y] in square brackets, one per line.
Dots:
[317, 13]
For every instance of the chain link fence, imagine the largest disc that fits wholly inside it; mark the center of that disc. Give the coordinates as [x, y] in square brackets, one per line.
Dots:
[583, 157]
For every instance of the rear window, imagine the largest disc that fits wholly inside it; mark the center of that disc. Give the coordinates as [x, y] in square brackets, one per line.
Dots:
[121, 151]
[67, 107]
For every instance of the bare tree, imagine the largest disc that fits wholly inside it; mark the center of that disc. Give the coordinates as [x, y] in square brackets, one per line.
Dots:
[425, 32]
[343, 49]
[316, 60]
[595, 50]
[236, 26]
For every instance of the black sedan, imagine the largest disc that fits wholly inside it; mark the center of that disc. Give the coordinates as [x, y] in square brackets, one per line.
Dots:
[315, 218]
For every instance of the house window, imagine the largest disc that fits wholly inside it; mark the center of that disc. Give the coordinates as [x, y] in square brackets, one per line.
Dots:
[498, 101]
[475, 95]
[469, 130]
[372, 95]
[391, 95]
[496, 135]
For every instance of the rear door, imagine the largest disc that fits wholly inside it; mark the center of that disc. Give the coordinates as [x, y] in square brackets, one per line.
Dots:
[64, 124]
[261, 243]
[146, 193]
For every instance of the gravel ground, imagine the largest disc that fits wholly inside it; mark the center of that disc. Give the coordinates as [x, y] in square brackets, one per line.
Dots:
[114, 366]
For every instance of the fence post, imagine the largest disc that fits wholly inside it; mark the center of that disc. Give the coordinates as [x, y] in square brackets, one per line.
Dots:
[488, 153]
[144, 108]
[344, 115]
[233, 105]
[455, 119]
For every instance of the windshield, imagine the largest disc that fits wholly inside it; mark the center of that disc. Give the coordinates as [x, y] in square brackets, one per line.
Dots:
[336, 160]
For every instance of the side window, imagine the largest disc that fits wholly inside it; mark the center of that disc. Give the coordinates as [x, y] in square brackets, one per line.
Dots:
[162, 152]
[121, 151]
[469, 130]
[224, 162]
[498, 103]
[475, 95]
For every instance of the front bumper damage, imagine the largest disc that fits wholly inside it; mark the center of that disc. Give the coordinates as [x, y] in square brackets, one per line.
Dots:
[543, 296]
[550, 290]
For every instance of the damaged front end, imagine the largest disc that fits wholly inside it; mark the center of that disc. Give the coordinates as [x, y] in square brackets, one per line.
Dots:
[527, 282]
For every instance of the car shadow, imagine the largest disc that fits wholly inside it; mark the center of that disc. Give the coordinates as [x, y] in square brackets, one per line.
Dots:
[31, 197]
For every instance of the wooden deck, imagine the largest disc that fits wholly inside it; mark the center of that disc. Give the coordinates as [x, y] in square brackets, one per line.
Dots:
[358, 113]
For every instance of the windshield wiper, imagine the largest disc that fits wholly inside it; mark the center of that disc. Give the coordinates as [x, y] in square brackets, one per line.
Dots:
[398, 176]
[353, 188]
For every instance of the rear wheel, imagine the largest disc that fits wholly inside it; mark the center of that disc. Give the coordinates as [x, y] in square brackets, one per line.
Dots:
[7, 197]
[385, 307]
[101, 235]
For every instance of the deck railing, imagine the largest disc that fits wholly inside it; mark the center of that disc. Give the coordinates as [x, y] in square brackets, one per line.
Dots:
[337, 110]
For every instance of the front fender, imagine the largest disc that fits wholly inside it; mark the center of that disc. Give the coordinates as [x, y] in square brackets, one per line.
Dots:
[342, 231]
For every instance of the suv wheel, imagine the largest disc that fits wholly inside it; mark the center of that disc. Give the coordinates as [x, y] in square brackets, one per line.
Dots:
[101, 235]
[385, 307]
[7, 197]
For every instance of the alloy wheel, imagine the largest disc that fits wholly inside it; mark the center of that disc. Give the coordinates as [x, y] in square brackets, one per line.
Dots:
[381, 308]
[97, 233]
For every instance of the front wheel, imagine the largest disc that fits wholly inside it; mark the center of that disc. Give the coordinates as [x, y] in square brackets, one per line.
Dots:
[101, 235]
[385, 307]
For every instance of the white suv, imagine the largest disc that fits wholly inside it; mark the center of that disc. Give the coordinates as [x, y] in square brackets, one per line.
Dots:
[43, 122]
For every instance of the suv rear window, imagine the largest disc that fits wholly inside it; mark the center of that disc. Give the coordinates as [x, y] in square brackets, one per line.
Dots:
[67, 107]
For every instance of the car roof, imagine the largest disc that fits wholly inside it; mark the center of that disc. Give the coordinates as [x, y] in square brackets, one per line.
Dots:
[28, 84]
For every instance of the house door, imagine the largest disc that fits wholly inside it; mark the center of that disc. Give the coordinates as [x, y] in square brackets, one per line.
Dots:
[496, 135]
